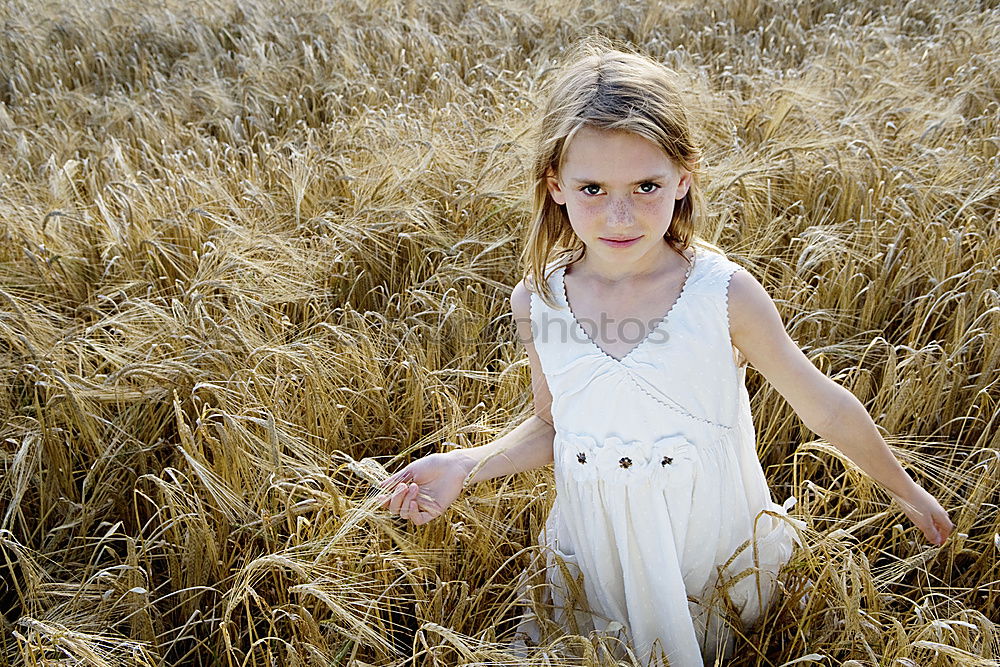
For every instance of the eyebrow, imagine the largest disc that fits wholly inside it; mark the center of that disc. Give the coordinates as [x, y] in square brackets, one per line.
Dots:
[656, 177]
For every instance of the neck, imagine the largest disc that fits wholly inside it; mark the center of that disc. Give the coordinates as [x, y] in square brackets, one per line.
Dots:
[613, 272]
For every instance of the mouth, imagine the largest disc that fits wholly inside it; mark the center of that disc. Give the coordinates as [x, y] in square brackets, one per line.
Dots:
[620, 242]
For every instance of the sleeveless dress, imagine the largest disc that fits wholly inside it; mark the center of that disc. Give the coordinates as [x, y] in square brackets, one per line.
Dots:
[662, 511]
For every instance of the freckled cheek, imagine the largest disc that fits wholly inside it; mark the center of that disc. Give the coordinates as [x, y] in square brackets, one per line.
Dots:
[653, 207]
[583, 213]
[598, 206]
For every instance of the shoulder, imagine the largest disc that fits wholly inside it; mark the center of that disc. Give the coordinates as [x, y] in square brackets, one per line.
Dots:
[714, 271]
[749, 303]
[520, 298]
[716, 263]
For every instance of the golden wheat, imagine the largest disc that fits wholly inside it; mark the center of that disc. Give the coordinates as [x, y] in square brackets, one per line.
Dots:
[256, 255]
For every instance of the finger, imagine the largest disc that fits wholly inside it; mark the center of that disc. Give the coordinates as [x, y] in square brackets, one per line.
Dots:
[408, 497]
[404, 508]
[382, 501]
[418, 515]
[939, 532]
[405, 496]
[429, 503]
[397, 498]
[413, 512]
[419, 504]
[945, 528]
[424, 517]
[429, 508]
[410, 500]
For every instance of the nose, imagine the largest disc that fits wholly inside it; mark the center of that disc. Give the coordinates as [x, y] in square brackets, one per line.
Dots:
[621, 211]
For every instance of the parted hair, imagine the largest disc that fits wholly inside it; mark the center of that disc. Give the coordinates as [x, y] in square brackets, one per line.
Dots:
[608, 87]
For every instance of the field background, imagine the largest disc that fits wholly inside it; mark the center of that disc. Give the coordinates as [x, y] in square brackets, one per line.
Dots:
[255, 255]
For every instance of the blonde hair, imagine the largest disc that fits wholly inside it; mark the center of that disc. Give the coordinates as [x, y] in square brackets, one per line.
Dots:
[601, 86]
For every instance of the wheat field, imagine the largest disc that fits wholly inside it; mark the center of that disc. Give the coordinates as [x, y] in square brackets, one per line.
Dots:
[255, 256]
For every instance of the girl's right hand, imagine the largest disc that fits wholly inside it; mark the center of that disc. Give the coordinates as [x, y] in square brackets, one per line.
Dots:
[424, 489]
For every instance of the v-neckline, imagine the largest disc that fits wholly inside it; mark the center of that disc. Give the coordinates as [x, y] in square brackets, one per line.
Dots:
[649, 334]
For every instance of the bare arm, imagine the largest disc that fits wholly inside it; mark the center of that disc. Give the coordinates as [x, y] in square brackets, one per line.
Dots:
[526, 447]
[529, 445]
[827, 408]
[425, 488]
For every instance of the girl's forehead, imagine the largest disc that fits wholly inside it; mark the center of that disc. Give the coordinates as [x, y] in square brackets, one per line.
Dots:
[590, 141]
[613, 152]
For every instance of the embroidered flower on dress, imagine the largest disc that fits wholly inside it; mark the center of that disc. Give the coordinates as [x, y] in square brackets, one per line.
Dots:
[615, 456]
[673, 450]
[616, 460]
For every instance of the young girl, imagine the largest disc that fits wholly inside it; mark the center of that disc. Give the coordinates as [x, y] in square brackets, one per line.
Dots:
[638, 334]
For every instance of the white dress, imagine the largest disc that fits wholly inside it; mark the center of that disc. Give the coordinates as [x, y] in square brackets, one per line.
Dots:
[657, 482]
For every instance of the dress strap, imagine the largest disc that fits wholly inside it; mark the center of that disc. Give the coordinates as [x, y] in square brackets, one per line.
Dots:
[715, 283]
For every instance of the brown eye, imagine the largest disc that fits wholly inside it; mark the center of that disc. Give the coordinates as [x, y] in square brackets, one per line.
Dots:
[584, 189]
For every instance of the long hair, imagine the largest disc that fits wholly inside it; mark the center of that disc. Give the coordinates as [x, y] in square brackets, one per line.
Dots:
[607, 88]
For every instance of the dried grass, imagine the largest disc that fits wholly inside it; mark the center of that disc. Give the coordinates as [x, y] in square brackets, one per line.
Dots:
[253, 256]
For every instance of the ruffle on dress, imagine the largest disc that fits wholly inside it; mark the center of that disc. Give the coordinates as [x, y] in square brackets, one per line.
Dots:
[753, 571]
[620, 461]
[747, 584]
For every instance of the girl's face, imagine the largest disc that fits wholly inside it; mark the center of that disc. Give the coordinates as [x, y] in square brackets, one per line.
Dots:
[618, 185]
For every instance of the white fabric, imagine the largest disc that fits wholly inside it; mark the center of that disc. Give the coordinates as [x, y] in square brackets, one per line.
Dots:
[647, 538]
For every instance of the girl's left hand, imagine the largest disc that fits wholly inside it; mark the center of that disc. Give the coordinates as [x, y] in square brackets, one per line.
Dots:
[926, 513]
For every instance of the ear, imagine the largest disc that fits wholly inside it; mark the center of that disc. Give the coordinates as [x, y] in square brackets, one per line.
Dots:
[684, 184]
[555, 190]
